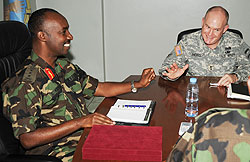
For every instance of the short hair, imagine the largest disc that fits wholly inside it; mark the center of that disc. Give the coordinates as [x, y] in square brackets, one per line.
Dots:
[222, 9]
[37, 18]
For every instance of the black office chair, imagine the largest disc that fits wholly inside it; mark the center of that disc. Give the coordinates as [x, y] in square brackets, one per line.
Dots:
[181, 34]
[15, 46]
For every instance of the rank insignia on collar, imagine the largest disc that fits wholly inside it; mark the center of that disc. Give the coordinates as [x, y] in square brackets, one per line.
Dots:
[49, 73]
[178, 50]
[60, 65]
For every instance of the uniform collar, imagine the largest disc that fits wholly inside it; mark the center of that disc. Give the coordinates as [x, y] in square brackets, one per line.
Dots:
[38, 60]
[221, 40]
[202, 41]
[59, 64]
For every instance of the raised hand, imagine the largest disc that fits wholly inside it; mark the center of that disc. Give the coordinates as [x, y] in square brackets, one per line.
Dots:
[147, 76]
[174, 71]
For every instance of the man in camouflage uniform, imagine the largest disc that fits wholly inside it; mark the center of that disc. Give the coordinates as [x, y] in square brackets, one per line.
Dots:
[45, 99]
[213, 51]
[218, 134]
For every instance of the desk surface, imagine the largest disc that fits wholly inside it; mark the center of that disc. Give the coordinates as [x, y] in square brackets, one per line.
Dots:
[170, 105]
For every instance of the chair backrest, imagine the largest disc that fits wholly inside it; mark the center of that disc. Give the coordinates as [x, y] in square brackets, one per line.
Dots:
[185, 32]
[15, 47]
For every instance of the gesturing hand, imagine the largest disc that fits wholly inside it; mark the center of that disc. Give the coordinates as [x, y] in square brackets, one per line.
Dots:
[147, 76]
[174, 71]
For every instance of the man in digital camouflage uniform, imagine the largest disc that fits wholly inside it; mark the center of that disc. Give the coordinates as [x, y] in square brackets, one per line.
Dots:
[219, 134]
[213, 51]
[45, 99]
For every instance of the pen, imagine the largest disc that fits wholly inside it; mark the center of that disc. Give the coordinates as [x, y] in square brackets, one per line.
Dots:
[134, 105]
[214, 84]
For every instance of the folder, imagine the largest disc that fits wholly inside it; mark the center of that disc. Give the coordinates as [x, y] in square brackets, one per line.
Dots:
[130, 143]
[238, 91]
[132, 112]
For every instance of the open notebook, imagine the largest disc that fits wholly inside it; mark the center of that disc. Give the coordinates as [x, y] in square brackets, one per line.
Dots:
[131, 112]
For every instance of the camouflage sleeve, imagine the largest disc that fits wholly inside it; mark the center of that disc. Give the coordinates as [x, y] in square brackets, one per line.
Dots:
[90, 87]
[219, 134]
[22, 106]
[89, 84]
[177, 56]
[243, 62]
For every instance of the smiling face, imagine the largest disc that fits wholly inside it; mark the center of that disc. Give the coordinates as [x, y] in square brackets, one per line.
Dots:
[58, 37]
[214, 24]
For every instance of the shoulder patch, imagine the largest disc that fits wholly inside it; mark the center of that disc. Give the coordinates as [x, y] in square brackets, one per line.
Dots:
[178, 50]
[30, 74]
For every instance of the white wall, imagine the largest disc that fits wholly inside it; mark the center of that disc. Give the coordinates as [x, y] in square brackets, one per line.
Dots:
[85, 20]
[137, 33]
[140, 33]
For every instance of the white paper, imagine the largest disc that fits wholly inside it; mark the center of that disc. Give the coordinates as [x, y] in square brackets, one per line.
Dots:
[130, 111]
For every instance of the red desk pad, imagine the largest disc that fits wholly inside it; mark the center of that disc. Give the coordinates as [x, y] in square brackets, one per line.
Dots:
[130, 143]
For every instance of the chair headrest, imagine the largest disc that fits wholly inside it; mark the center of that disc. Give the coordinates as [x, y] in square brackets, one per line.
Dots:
[15, 46]
[185, 32]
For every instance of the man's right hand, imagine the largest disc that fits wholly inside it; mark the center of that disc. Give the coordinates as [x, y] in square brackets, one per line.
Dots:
[46, 135]
[96, 119]
[174, 71]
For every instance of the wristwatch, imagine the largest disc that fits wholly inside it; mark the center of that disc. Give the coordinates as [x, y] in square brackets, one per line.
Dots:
[133, 89]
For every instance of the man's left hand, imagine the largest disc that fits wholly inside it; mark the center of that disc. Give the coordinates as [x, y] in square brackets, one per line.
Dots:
[227, 79]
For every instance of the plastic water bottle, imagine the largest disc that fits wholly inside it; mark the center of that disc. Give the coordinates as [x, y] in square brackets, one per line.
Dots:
[192, 98]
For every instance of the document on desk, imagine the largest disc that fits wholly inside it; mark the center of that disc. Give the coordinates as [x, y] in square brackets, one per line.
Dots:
[125, 112]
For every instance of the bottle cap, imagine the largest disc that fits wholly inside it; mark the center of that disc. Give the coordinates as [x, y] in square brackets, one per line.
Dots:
[193, 80]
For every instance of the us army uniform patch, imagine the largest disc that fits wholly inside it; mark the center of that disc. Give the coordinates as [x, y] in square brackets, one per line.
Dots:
[178, 50]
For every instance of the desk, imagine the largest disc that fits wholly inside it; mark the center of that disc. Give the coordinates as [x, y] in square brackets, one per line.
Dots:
[170, 105]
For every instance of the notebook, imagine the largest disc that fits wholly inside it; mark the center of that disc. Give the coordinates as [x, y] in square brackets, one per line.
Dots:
[132, 112]
[130, 143]
[238, 91]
